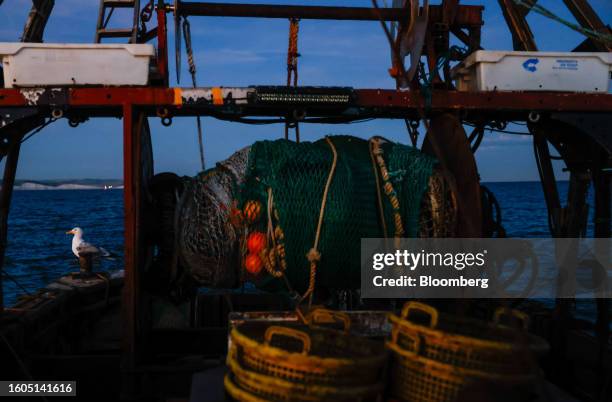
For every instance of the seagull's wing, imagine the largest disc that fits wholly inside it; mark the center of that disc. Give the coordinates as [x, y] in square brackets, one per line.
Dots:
[89, 249]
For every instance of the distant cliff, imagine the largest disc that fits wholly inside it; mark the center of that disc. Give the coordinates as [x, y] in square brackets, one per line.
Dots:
[75, 184]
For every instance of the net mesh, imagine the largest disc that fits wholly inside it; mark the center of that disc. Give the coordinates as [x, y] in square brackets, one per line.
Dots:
[207, 242]
[297, 174]
[210, 245]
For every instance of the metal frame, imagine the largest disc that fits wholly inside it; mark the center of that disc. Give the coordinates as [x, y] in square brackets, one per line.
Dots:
[241, 102]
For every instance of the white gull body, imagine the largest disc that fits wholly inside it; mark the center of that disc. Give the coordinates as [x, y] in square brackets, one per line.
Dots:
[81, 248]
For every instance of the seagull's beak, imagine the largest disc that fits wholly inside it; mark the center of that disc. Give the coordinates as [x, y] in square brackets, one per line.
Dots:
[70, 232]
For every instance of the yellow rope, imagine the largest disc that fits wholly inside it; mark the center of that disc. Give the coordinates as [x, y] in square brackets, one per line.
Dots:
[381, 212]
[276, 253]
[270, 233]
[376, 154]
[313, 255]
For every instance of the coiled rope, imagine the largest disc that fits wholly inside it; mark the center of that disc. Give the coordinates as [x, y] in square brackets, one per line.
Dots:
[274, 257]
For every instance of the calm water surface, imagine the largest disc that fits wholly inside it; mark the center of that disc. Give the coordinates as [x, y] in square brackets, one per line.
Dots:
[39, 250]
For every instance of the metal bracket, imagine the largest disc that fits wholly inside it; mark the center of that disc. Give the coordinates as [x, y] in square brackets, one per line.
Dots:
[11, 115]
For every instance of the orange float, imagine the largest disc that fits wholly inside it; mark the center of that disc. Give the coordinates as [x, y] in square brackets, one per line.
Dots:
[252, 211]
[253, 264]
[256, 242]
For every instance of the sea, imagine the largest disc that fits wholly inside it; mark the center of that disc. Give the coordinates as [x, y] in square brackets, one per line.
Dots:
[39, 250]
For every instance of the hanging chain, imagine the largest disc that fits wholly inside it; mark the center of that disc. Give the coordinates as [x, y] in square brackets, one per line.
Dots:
[192, 71]
[292, 70]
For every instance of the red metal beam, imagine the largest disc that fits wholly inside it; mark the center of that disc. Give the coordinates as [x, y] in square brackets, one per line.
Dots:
[117, 96]
[486, 101]
[380, 99]
[12, 97]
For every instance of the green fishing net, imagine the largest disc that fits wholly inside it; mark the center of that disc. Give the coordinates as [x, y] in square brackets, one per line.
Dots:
[297, 174]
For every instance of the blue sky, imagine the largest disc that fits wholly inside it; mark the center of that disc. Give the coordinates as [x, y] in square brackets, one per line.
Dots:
[241, 52]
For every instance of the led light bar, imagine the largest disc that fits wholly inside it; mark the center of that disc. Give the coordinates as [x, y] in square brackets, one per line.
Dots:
[303, 95]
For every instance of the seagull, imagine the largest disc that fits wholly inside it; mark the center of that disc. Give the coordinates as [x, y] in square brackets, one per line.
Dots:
[85, 251]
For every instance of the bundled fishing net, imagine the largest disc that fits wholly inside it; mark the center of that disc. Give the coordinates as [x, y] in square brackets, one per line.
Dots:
[207, 242]
[256, 216]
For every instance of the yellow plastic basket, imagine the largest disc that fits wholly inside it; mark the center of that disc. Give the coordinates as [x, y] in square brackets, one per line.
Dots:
[308, 354]
[275, 389]
[467, 343]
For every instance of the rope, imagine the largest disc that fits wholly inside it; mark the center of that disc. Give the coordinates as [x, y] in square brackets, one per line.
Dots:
[292, 70]
[377, 152]
[426, 80]
[402, 72]
[192, 71]
[272, 257]
[270, 233]
[383, 222]
[595, 35]
[313, 255]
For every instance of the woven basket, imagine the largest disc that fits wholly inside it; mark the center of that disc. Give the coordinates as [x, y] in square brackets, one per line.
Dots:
[466, 343]
[275, 389]
[308, 354]
[418, 379]
[237, 393]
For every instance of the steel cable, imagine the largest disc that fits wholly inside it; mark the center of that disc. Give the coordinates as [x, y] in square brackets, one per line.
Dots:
[192, 71]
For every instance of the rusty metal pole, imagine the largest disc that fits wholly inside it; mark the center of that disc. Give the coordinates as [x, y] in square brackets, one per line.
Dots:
[162, 42]
[447, 141]
[562, 313]
[588, 18]
[522, 37]
[289, 11]
[8, 181]
[131, 199]
[37, 20]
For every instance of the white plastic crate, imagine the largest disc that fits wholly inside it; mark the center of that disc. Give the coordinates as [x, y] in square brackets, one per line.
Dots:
[534, 71]
[61, 64]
